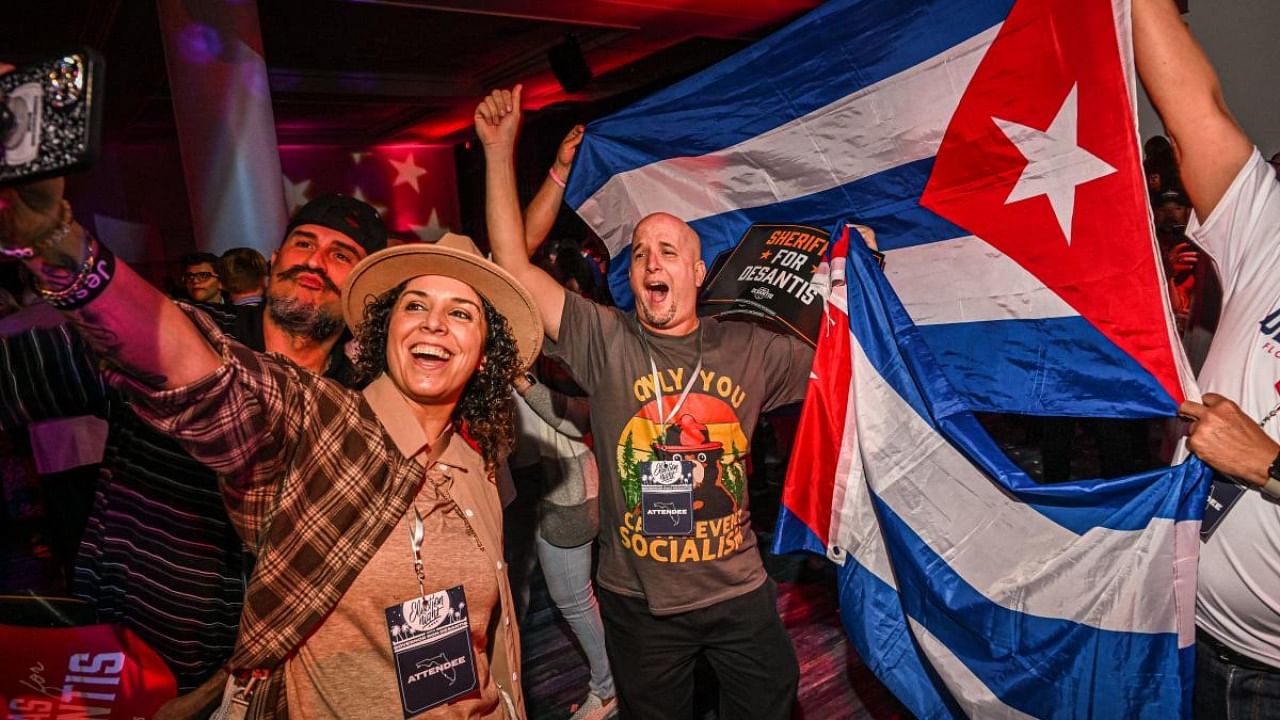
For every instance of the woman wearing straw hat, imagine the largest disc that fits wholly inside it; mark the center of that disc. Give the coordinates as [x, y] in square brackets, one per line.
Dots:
[379, 588]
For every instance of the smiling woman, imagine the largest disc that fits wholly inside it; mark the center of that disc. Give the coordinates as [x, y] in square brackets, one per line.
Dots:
[445, 347]
[374, 515]
[380, 588]
[441, 332]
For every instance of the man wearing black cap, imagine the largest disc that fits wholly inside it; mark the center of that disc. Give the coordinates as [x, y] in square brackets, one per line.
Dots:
[1194, 290]
[1171, 209]
[302, 317]
[159, 555]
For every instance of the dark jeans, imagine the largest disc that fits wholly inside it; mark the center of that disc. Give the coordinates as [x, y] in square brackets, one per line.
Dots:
[742, 639]
[1226, 690]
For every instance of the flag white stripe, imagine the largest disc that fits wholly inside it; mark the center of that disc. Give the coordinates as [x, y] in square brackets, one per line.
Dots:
[968, 280]
[854, 527]
[829, 147]
[1187, 549]
[1006, 550]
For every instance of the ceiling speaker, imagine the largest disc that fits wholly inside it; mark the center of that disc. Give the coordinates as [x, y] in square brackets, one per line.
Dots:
[569, 66]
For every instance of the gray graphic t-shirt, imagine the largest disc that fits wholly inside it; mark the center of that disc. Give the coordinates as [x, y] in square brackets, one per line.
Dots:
[745, 370]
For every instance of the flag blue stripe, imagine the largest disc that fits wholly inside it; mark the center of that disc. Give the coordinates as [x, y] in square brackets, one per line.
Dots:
[872, 614]
[1187, 661]
[777, 80]
[790, 534]
[1042, 666]
[888, 201]
[1064, 366]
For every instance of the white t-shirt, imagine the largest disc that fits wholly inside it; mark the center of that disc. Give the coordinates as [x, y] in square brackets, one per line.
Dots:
[1238, 596]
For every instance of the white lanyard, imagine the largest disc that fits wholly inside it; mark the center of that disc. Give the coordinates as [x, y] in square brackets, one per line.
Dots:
[664, 418]
[417, 532]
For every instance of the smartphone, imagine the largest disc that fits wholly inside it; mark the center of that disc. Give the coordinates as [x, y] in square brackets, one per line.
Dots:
[50, 116]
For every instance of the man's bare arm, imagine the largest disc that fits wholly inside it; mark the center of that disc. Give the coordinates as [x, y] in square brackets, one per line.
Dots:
[130, 322]
[542, 211]
[1184, 88]
[497, 121]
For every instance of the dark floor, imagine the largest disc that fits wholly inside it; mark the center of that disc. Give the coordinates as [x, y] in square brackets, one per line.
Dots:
[834, 684]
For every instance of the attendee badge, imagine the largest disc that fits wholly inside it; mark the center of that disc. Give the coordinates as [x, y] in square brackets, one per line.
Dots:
[666, 497]
[1223, 495]
[431, 642]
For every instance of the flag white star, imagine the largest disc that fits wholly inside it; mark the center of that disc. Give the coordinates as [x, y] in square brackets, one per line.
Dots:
[1056, 164]
[358, 157]
[358, 194]
[430, 232]
[407, 172]
[295, 194]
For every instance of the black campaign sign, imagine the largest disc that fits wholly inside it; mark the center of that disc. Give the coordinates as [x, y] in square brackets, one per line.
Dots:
[768, 276]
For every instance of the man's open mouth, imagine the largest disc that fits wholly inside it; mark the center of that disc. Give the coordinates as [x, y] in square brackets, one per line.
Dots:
[656, 292]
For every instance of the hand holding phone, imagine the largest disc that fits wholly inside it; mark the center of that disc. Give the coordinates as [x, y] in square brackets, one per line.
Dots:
[51, 119]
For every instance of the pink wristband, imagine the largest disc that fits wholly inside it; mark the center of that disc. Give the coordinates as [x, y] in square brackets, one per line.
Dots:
[555, 177]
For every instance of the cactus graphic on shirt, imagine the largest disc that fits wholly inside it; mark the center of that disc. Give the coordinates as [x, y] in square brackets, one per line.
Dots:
[629, 472]
[732, 478]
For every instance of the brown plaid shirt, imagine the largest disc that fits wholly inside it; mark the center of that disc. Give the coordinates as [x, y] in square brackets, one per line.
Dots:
[313, 482]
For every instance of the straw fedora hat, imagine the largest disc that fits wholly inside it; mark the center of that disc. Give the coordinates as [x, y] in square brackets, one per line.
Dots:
[453, 256]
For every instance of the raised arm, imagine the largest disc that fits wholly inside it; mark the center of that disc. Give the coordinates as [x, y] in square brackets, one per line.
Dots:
[568, 415]
[1210, 146]
[541, 213]
[497, 123]
[125, 319]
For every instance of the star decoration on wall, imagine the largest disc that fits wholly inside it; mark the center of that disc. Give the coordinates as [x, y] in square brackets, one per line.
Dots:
[295, 194]
[407, 172]
[432, 231]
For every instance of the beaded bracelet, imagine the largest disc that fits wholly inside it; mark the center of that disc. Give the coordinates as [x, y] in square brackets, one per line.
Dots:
[18, 253]
[90, 281]
[75, 283]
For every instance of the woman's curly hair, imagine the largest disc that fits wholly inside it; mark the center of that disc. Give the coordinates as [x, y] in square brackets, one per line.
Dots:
[484, 409]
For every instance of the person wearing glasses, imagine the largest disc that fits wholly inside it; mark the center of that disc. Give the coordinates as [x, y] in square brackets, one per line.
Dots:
[200, 278]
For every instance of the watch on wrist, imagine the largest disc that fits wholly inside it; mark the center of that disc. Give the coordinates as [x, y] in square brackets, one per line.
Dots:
[529, 381]
[1272, 486]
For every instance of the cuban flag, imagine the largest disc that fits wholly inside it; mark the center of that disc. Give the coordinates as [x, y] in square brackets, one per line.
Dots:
[967, 588]
[992, 146]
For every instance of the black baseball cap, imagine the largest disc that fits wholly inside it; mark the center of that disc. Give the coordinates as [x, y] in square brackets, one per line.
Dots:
[1172, 195]
[347, 215]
